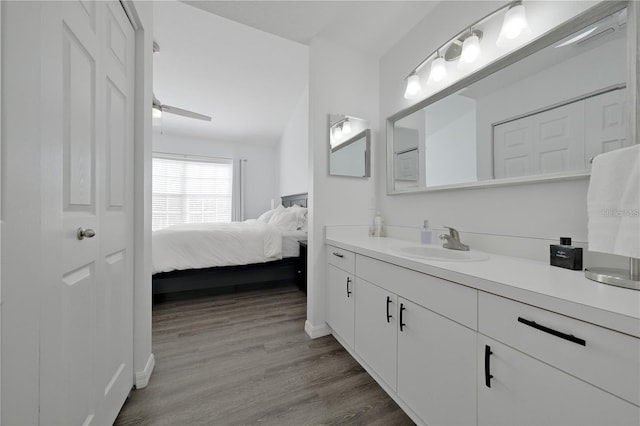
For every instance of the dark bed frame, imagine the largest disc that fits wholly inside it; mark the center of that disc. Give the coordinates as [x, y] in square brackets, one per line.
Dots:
[228, 278]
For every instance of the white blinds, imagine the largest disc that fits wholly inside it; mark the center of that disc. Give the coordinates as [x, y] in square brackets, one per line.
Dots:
[190, 190]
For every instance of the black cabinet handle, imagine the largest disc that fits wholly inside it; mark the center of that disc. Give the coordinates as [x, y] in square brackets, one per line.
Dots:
[487, 366]
[348, 291]
[335, 253]
[569, 337]
[402, 324]
[388, 314]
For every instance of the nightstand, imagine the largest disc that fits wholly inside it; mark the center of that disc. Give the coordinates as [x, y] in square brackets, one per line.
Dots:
[302, 266]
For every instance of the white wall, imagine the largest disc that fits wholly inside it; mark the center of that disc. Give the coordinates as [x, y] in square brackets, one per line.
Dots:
[341, 81]
[261, 173]
[294, 150]
[143, 359]
[451, 151]
[542, 210]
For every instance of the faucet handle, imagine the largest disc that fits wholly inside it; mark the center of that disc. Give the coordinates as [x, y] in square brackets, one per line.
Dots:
[453, 232]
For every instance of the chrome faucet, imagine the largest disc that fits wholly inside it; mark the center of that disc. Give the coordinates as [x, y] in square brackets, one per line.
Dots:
[452, 240]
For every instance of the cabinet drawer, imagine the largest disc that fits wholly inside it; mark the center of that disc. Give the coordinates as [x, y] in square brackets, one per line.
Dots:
[343, 259]
[446, 298]
[605, 358]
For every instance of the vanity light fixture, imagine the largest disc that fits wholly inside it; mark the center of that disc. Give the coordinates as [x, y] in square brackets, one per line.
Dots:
[413, 86]
[337, 132]
[346, 127]
[465, 46]
[514, 25]
[438, 69]
[471, 47]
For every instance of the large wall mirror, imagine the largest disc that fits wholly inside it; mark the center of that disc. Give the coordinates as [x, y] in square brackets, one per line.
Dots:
[349, 146]
[542, 112]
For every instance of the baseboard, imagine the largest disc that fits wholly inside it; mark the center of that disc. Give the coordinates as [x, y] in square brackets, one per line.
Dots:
[315, 331]
[142, 377]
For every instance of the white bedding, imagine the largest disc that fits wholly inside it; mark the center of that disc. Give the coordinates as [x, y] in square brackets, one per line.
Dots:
[204, 245]
[290, 246]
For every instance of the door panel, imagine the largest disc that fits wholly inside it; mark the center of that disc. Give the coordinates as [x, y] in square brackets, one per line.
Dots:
[605, 119]
[87, 167]
[375, 333]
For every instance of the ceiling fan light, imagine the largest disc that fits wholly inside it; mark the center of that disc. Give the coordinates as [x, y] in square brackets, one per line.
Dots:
[470, 49]
[413, 86]
[156, 112]
[438, 69]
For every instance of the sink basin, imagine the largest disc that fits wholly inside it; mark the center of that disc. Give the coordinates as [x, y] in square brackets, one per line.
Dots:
[442, 254]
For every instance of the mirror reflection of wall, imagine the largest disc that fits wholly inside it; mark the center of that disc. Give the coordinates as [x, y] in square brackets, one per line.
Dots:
[549, 113]
[349, 146]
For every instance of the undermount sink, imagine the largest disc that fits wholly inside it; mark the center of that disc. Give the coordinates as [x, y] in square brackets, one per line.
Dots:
[441, 254]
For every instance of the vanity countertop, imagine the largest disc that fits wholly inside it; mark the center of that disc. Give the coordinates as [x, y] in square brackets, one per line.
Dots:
[528, 281]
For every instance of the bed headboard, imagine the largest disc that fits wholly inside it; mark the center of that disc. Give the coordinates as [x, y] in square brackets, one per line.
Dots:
[295, 199]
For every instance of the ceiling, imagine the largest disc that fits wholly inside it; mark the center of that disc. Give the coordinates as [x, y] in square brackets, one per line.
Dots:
[245, 63]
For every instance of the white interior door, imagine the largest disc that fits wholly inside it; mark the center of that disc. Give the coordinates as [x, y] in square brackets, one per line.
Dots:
[547, 142]
[605, 120]
[87, 167]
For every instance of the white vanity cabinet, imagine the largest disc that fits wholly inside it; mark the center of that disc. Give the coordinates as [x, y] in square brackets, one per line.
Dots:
[436, 367]
[516, 389]
[341, 293]
[541, 368]
[422, 354]
[453, 354]
[377, 329]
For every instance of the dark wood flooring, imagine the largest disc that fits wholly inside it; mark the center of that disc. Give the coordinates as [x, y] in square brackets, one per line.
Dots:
[244, 359]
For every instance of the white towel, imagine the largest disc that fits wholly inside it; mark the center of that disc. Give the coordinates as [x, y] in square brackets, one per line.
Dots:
[613, 203]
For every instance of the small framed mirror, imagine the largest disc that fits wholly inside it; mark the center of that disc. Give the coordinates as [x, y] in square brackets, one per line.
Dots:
[349, 146]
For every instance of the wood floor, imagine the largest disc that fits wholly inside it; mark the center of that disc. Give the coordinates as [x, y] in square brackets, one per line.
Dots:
[244, 359]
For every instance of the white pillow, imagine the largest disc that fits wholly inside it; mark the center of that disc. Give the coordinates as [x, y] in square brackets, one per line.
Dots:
[301, 213]
[286, 219]
[264, 217]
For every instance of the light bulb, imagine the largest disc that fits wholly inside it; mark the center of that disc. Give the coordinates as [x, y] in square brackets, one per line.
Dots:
[438, 69]
[346, 127]
[337, 132]
[470, 49]
[157, 113]
[413, 86]
[514, 24]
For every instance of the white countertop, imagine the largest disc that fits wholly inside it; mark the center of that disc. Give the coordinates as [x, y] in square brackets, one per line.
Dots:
[528, 281]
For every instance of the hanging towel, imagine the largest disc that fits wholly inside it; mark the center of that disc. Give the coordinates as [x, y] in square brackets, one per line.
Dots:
[613, 203]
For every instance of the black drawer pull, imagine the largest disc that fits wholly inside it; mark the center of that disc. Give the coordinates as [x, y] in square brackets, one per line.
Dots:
[402, 324]
[388, 314]
[569, 337]
[348, 291]
[487, 366]
[340, 255]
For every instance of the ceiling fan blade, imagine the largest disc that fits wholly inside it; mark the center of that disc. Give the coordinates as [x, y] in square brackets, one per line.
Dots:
[185, 113]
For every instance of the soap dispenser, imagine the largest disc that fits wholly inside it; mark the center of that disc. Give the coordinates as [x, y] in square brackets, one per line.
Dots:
[425, 233]
[377, 225]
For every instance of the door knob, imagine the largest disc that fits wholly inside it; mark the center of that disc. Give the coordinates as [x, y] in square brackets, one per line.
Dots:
[85, 233]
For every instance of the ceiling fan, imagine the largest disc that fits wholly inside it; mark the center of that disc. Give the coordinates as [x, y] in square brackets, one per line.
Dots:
[178, 111]
[159, 106]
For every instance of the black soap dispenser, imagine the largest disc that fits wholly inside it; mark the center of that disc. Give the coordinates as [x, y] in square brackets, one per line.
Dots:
[565, 255]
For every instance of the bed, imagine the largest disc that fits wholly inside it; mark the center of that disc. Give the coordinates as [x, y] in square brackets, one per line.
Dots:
[261, 271]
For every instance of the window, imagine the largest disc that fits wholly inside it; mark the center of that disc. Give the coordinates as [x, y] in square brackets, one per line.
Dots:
[190, 190]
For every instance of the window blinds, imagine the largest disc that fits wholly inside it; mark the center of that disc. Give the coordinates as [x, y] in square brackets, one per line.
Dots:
[190, 189]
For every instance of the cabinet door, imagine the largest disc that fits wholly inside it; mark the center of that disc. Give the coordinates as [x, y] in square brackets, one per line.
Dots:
[376, 329]
[525, 391]
[340, 303]
[436, 366]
